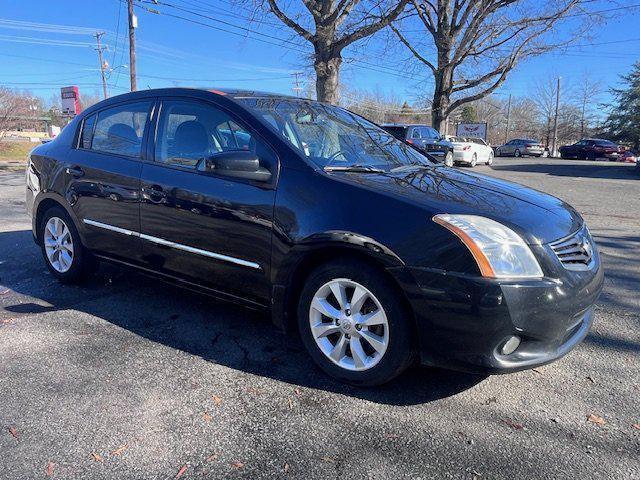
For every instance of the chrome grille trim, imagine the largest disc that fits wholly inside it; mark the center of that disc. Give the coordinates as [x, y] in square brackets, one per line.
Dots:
[575, 252]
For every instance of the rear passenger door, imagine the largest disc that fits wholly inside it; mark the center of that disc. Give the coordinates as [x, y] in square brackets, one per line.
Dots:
[102, 177]
[207, 228]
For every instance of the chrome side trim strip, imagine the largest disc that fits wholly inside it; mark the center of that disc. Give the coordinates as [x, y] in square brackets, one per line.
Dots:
[123, 231]
[179, 246]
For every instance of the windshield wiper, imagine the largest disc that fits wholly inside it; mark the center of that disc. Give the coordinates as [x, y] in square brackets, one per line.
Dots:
[352, 168]
[407, 167]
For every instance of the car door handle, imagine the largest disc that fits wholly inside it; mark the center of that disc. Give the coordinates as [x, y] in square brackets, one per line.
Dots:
[75, 172]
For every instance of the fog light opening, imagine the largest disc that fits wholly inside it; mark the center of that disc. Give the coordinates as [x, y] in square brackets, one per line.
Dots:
[510, 345]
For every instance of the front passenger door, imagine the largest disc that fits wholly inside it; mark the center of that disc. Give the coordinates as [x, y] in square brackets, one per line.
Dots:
[208, 228]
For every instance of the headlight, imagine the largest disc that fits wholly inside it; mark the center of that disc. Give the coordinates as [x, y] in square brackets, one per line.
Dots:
[498, 250]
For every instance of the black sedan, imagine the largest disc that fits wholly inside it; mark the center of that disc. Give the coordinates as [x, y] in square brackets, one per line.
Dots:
[350, 238]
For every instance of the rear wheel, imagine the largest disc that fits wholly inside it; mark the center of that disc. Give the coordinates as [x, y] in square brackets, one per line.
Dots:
[474, 160]
[62, 250]
[354, 324]
[448, 159]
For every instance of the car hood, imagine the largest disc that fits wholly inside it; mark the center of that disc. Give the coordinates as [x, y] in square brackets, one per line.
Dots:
[538, 217]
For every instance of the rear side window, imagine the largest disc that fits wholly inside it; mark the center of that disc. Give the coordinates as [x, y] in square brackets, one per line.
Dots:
[399, 132]
[119, 130]
[87, 131]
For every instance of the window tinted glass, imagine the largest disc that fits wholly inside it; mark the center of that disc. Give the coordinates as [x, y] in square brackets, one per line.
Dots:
[416, 133]
[331, 136]
[119, 129]
[398, 132]
[87, 131]
[604, 143]
[190, 131]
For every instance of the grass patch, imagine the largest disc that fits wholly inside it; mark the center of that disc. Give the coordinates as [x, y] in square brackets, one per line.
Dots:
[16, 151]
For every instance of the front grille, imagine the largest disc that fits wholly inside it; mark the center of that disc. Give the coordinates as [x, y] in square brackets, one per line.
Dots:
[575, 252]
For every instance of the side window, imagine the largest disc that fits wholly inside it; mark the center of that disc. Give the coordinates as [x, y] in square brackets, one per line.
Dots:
[415, 133]
[119, 130]
[87, 131]
[190, 131]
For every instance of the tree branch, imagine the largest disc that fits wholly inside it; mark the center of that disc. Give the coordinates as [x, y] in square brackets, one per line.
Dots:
[372, 28]
[289, 22]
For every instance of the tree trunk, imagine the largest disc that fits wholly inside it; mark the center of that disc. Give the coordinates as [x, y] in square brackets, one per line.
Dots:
[440, 105]
[327, 67]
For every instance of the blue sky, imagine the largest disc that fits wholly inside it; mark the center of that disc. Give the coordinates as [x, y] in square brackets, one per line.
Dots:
[175, 52]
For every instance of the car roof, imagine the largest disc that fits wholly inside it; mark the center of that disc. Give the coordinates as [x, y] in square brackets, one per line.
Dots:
[229, 93]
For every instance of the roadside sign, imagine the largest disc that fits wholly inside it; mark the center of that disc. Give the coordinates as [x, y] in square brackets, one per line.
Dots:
[476, 130]
[70, 100]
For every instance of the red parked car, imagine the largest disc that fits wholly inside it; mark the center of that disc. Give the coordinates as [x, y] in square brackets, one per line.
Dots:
[591, 149]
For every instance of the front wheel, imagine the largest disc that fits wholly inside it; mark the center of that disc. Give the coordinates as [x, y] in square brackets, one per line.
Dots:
[474, 160]
[490, 159]
[62, 250]
[354, 324]
[517, 153]
[448, 159]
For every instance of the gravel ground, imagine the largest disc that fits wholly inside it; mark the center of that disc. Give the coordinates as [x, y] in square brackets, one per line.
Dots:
[128, 378]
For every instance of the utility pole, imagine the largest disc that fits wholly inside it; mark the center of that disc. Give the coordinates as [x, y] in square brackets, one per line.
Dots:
[297, 88]
[555, 120]
[133, 24]
[506, 131]
[103, 66]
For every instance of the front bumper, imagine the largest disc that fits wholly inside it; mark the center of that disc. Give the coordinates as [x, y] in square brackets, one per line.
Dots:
[463, 321]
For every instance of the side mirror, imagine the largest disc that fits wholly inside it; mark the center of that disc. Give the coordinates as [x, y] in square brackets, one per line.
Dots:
[238, 164]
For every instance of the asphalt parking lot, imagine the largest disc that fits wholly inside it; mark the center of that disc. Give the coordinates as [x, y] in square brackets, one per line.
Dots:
[130, 378]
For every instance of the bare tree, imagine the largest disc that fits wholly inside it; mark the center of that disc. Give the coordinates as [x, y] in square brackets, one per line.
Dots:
[478, 42]
[331, 26]
[586, 97]
[18, 110]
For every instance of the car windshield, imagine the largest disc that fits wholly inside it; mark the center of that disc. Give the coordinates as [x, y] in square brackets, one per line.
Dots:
[332, 137]
[604, 143]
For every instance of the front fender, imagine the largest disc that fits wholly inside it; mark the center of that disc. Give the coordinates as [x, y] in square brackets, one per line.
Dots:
[289, 270]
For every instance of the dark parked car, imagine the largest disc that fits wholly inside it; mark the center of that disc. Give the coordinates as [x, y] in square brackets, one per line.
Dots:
[590, 149]
[374, 255]
[426, 139]
[520, 147]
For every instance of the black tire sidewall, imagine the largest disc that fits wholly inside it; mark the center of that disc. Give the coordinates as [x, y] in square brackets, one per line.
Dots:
[80, 260]
[400, 351]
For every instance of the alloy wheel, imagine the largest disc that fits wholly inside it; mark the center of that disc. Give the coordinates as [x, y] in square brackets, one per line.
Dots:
[490, 159]
[349, 325]
[58, 244]
[448, 159]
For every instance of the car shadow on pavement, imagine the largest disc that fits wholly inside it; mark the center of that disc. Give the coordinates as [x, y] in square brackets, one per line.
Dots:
[562, 169]
[218, 332]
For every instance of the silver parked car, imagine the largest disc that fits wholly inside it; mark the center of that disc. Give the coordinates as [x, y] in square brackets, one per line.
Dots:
[519, 147]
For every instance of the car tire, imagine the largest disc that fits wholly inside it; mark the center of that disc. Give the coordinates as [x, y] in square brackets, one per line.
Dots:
[63, 252]
[490, 159]
[474, 160]
[448, 159]
[517, 153]
[338, 332]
